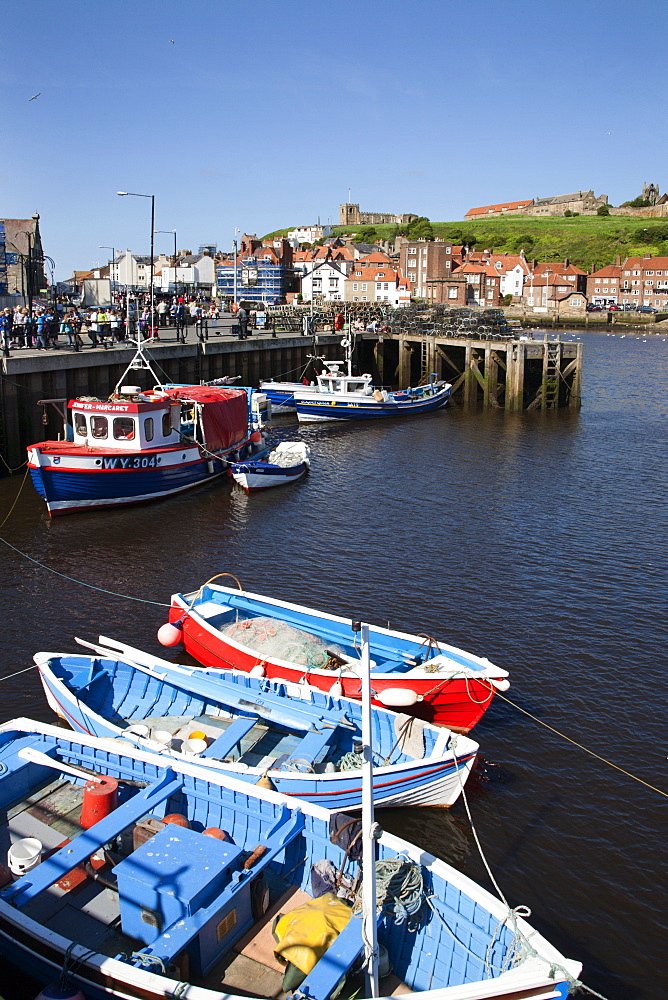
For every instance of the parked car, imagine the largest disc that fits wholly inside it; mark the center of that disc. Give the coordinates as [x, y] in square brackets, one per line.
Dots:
[614, 308]
[646, 309]
[591, 308]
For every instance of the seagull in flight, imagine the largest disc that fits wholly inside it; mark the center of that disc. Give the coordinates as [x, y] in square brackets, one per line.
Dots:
[34, 97]
[171, 40]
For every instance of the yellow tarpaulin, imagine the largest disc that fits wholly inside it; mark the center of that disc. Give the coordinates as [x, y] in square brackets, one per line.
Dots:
[305, 933]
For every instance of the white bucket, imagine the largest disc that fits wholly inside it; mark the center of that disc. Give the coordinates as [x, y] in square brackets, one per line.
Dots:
[192, 747]
[138, 730]
[24, 855]
[163, 736]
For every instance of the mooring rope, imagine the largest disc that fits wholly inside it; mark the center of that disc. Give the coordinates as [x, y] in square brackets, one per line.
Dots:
[580, 746]
[517, 954]
[16, 499]
[81, 583]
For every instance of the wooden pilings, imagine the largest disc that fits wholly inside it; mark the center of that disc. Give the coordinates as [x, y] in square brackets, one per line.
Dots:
[512, 374]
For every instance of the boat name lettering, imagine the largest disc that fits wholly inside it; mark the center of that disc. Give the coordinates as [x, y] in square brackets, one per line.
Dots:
[107, 407]
[131, 462]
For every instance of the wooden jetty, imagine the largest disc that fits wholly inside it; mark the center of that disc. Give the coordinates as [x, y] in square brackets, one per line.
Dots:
[512, 373]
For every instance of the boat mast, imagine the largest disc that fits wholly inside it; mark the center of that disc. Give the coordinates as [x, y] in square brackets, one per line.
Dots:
[370, 830]
[140, 360]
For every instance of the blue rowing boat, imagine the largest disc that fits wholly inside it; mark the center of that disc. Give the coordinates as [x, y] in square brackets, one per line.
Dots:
[143, 877]
[303, 741]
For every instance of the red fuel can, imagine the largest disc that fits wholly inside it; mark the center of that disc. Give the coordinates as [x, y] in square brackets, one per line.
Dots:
[98, 801]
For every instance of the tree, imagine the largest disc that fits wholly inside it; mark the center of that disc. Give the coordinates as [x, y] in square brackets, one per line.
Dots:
[366, 235]
[603, 210]
[420, 229]
[637, 203]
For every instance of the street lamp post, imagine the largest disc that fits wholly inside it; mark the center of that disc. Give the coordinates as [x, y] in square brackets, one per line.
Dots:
[235, 264]
[134, 194]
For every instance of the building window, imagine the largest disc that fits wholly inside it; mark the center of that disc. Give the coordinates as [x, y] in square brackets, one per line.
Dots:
[364, 286]
[649, 272]
[355, 288]
[412, 250]
[364, 298]
[452, 293]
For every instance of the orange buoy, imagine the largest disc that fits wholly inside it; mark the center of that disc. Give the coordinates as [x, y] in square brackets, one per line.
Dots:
[99, 799]
[177, 819]
[216, 833]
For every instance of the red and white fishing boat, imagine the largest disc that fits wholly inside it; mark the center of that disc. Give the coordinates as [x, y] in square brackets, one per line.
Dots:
[223, 627]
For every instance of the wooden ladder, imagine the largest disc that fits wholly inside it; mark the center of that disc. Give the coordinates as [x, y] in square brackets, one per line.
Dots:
[551, 374]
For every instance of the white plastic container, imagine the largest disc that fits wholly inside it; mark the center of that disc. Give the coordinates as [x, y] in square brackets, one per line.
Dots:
[24, 855]
[138, 730]
[193, 747]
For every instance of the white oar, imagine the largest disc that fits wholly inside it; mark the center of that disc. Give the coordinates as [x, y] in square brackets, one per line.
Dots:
[37, 757]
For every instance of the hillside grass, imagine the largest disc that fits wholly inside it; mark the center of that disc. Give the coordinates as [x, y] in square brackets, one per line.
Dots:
[589, 241]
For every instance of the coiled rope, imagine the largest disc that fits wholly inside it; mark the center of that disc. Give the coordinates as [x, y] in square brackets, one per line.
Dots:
[350, 761]
[399, 889]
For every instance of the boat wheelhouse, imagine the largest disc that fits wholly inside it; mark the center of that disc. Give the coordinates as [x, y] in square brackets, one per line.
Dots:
[138, 446]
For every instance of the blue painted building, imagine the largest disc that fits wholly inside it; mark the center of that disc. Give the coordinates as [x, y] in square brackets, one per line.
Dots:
[257, 280]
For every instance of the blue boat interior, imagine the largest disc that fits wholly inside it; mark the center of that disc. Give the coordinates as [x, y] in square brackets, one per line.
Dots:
[246, 720]
[178, 901]
[389, 654]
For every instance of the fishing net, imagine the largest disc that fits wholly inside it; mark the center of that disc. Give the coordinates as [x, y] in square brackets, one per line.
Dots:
[286, 459]
[275, 639]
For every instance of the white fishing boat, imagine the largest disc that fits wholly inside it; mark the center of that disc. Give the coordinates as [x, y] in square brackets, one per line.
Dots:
[288, 462]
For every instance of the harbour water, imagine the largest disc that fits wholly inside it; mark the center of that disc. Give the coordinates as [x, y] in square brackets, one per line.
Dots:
[536, 539]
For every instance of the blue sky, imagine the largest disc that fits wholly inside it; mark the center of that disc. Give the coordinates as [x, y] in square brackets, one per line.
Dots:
[263, 114]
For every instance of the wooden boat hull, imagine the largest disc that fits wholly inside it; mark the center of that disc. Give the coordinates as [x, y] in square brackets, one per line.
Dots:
[434, 780]
[455, 696]
[457, 950]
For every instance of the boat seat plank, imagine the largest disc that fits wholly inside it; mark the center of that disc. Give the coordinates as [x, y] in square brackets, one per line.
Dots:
[225, 743]
[311, 747]
[339, 958]
[91, 840]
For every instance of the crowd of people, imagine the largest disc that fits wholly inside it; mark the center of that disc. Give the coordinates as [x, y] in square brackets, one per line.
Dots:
[102, 327]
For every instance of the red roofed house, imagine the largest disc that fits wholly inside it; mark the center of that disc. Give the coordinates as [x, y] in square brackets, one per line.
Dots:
[372, 284]
[483, 284]
[644, 282]
[505, 208]
[547, 289]
[603, 285]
